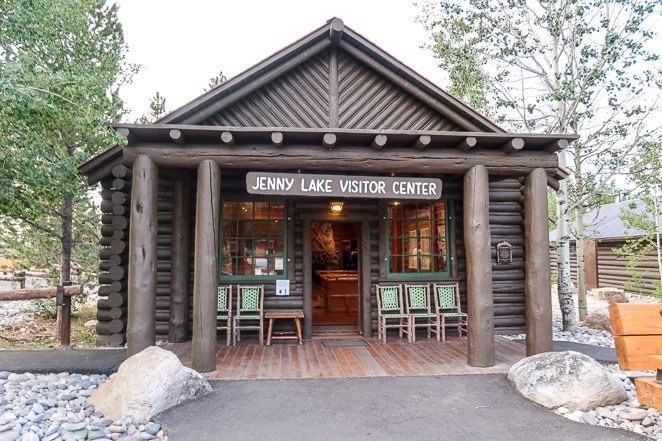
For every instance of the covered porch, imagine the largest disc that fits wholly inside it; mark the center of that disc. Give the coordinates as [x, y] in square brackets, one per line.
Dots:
[349, 358]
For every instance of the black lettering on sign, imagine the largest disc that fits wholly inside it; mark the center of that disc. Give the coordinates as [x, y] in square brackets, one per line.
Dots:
[298, 184]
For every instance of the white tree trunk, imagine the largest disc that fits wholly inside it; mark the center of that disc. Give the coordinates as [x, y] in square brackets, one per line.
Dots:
[579, 242]
[566, 302]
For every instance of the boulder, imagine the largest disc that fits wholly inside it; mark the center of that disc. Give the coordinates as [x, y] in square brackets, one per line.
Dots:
[569, 379]
[148, 383]
[599, 319]
[611, 295]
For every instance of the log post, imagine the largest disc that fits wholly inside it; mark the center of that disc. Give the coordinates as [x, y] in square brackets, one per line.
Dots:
[179, 276]
[591, 264]
[205, 277]
[63, 303]
[480, 307]
[307, 280]
[142, 256]
[365, 288]
[537, 286]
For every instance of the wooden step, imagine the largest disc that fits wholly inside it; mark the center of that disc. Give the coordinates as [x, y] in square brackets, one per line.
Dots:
[649, 392]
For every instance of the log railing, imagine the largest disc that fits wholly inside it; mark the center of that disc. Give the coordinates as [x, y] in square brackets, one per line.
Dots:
[62, 296]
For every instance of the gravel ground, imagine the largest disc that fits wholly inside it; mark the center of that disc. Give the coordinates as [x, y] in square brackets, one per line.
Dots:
[53, 407]
[630, 414]
[14, 313]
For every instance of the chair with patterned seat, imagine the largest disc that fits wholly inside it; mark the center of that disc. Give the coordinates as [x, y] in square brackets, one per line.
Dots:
[448, 309]
[390, 311]
[418, 308]
[250, 300]
[224, 311]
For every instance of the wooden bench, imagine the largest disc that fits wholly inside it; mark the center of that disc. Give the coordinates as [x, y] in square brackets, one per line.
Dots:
[637, 332]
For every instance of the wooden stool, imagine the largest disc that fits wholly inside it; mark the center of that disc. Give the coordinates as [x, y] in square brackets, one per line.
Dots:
[292, 314]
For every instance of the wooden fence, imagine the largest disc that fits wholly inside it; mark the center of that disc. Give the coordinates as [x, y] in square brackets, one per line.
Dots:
[62, 295]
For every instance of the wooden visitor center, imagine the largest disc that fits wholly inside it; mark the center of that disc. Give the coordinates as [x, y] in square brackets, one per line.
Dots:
[328, 156]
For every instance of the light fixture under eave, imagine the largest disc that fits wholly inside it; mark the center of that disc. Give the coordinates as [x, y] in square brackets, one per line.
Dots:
[336, 207]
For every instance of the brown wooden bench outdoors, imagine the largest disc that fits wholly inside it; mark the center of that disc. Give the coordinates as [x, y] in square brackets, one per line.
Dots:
[637, 329]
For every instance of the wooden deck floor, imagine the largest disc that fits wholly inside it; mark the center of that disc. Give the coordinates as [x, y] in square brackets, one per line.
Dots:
[250, 361]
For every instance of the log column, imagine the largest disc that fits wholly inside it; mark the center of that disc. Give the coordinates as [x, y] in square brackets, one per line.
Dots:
[480, 307]
[142, 256]
[537, 286]
[205, 277]
[179, 276]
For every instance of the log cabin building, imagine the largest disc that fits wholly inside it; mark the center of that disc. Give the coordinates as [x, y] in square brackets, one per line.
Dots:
[330, 155]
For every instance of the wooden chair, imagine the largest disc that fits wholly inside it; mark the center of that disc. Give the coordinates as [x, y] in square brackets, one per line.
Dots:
[447, 307]
[390, 307]
[418, 307]
[224, 311]
[250, 301]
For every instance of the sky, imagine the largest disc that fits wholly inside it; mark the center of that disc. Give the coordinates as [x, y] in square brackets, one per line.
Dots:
[180, 45]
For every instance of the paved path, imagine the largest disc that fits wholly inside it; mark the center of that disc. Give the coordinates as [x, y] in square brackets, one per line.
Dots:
[599, 353]
[478, 407]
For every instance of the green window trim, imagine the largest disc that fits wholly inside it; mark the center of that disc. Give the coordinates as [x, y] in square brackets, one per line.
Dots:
[420, 275]
[253, 278]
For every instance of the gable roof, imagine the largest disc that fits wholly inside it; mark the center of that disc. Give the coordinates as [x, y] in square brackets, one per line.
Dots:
[294, 88]
[605, 222]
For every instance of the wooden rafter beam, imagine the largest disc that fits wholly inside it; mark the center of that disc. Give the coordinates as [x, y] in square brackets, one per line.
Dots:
[467, 143]
[277, 139]
[514, 145]
[379, 142]
[177, 136]
[227, 138]
[329, 140]
[422, 142]
[336, 28]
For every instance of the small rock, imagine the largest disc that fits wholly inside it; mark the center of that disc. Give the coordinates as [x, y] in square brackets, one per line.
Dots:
[563, 410]
[635, 415]
[74, 427]
[589, 418]
[152, 428]
[9, 435]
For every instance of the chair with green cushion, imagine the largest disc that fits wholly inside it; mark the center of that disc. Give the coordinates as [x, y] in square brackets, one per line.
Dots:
[224, 311]
[419, 309]
[390, 311]
[250, 300]
[448, 309]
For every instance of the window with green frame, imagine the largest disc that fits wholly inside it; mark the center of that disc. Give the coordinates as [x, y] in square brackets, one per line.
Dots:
[252, 240]
[418, 239]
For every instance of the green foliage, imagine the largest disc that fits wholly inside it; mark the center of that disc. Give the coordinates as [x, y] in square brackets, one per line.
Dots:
[584, 67]
[642, 225]
[61, 64]
[157, 108]
[216, 80]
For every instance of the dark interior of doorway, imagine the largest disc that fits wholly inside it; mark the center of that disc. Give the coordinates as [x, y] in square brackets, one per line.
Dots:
[335, 260]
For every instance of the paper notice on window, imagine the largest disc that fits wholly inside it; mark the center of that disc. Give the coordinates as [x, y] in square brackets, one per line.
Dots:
[260, 266]
[283, 287]
[278, 264]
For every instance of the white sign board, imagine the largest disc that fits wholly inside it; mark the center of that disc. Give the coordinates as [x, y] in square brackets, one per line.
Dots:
[283, 287]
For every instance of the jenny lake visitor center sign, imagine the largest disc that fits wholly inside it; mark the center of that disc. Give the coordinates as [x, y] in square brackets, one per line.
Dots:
[299, 184]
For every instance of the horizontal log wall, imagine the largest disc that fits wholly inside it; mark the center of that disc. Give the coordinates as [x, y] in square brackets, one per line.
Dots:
[164, 255]
[612, 269]
[113, 275]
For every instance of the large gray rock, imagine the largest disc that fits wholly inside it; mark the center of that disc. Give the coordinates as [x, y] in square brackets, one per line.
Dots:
[599, 319]
[567, 379]
[148, 383]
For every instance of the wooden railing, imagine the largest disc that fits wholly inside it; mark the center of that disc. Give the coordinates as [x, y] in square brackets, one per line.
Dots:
[62, 294]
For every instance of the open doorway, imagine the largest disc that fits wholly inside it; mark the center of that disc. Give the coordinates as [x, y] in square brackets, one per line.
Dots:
[335, 277]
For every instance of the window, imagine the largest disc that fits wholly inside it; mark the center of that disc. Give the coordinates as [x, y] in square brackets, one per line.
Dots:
[252, 239]
[418, 239]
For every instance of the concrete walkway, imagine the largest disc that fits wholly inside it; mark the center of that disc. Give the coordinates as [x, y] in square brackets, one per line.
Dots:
[399, 408]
